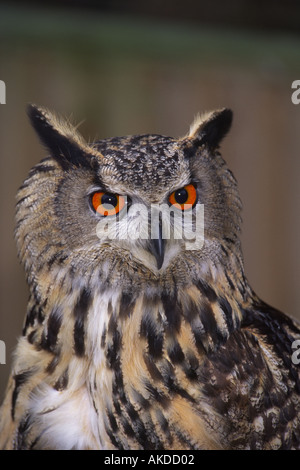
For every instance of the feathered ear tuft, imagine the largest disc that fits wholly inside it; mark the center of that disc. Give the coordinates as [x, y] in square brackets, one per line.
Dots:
[210, 128]
[66, 145]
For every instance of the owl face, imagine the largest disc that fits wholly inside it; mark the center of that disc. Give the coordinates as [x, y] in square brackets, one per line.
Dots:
[146, 181]
[145, 201]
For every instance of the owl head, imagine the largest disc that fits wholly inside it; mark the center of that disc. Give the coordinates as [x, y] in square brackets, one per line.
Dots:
[136, 204]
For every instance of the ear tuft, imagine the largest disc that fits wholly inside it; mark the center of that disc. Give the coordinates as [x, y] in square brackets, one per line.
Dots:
[61, 138]
[209, 129]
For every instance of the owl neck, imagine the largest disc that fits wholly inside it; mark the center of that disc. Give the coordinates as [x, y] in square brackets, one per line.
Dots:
[95, 317]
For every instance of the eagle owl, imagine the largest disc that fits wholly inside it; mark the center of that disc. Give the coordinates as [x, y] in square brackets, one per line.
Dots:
[137, 335]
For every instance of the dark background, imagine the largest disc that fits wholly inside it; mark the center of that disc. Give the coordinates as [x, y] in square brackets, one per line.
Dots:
[126, 67]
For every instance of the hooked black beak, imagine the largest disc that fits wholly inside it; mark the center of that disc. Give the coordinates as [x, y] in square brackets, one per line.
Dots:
[157, 245]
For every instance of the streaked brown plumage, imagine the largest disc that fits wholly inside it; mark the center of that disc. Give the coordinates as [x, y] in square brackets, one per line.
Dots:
[133, 343]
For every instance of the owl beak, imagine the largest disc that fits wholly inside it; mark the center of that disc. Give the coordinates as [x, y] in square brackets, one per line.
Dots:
[157, 246]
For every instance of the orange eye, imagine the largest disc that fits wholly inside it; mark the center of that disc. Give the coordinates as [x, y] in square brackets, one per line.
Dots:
[107, 203]
[184, 196]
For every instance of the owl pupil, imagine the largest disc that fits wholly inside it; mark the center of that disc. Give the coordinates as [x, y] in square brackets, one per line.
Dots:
[109, 200]
[181, 196]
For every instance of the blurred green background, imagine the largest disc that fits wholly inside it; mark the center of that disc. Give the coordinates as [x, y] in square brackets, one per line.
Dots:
[131, 67]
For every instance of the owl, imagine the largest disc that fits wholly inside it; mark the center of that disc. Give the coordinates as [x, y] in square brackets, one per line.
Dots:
[142, 331]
